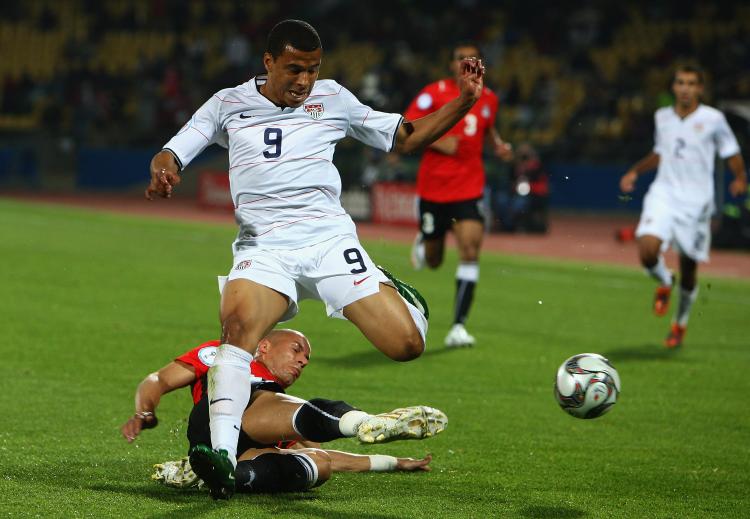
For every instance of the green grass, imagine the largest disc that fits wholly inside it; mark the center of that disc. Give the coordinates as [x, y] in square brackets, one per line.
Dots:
[90, 303]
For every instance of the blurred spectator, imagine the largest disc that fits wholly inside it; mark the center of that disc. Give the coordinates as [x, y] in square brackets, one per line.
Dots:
[578, 83]
[522, 206]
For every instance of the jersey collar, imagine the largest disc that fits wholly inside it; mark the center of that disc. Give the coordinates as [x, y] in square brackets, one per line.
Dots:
[260, 80]
[259, 369]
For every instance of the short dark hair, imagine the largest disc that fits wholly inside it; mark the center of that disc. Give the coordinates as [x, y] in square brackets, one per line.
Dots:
[295, 33]
[692, 68]
[467, 43]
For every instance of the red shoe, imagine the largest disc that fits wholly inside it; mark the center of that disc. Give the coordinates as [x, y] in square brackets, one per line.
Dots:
[661, 300]
[675, 337]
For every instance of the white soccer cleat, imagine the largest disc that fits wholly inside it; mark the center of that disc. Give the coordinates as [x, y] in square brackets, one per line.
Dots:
[406, 423]
[176, 474]
[417, 253]
[458, 337]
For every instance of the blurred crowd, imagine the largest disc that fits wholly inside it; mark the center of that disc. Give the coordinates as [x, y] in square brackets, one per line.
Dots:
[577, 81]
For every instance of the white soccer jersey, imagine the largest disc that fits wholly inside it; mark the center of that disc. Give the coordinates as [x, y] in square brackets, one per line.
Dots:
[687, 149]
[283, 182]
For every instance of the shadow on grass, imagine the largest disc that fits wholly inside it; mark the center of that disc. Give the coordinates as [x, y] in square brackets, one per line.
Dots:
[197, 502]
[358, 359]
[638, 353]
[374, 357]
[541, 512]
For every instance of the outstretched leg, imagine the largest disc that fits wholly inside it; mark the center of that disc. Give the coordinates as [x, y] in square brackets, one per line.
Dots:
[469, 234]
[652, 259]
[688, 295]
[277, 417]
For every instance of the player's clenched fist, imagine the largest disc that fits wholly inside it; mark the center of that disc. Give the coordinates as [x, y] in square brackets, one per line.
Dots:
[471, 82]
[164, 176]
[627, 182]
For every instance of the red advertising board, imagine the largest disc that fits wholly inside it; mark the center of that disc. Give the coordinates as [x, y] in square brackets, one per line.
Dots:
[394, 203]
[213, 190]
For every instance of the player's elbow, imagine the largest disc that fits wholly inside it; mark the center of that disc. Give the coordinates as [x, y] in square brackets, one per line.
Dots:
[409, 145]
[407, 140]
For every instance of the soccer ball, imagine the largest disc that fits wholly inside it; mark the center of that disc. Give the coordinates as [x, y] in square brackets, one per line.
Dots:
[587, 385]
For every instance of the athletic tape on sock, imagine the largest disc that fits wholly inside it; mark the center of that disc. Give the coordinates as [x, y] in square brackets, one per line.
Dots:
[382, 463]
[468, 271]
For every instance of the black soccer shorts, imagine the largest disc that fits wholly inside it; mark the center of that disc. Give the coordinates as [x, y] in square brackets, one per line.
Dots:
[199, 430]
[436, 218]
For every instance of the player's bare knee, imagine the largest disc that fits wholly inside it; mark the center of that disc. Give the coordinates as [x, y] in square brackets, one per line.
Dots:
[433, 264]
[649, 255]
[471, 256]
[649, 260]
[231, 328]
[411, 347]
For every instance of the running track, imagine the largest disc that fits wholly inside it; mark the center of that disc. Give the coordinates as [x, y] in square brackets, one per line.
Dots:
[584, 238]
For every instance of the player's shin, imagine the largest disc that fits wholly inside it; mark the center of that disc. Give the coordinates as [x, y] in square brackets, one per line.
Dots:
[467, 275]
[271, 473]
[686, 300]
[229, 389]
[322, 420]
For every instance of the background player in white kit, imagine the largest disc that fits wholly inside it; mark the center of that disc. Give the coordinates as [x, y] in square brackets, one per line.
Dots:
[295, 240]
[678, 206]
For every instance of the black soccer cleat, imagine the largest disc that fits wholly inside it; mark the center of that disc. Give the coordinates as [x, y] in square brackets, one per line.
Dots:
[215, 469]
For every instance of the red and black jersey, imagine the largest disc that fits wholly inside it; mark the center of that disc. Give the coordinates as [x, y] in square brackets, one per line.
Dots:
[454, 178]
[201, 359]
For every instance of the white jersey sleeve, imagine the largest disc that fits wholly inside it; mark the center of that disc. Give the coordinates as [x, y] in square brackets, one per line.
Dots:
[726, 142]
[203, 129]
[658, 144]
[376, 129]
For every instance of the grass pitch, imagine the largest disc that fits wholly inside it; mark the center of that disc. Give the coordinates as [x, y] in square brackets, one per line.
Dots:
[90, 303]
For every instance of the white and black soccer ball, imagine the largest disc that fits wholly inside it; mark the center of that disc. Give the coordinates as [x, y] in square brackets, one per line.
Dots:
[587, 385]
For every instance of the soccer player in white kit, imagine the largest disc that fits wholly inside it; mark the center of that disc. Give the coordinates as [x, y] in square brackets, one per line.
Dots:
[295, 240]
[678, 206]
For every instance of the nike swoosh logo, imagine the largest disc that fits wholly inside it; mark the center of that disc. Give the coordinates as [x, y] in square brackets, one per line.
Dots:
[359, 282]
[243, 116]
[212, 402]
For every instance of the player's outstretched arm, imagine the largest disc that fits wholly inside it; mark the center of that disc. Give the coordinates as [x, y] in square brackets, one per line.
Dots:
[447, 145]
[647, 163]
[172, 376]
[502, 149]
[415, 135]
[164, 175]
[347, 462]
[738, 187]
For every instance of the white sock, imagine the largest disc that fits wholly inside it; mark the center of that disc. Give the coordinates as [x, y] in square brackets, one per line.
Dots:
[419, 251]
[468, 271]
[684, 305]
[350, 421]
[419, 319]
[229, 388]
[660, 272]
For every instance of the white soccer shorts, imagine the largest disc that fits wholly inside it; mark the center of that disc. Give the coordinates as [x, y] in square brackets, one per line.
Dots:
[688, 230]
[337, 271]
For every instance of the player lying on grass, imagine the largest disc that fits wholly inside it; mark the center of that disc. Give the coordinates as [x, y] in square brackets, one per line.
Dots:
[274, 421]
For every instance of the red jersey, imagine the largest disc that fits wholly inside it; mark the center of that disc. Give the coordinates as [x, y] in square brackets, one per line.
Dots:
[454, 178]
[202, 358]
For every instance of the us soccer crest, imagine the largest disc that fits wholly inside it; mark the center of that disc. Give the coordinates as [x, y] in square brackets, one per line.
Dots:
[314, 110]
